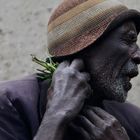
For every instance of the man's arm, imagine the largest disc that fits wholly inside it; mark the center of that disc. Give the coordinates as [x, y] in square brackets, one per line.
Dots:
[12, 127]
[66, 96]
[52, 127]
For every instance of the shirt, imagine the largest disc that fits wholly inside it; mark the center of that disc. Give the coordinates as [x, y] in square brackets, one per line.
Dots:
[22, 107]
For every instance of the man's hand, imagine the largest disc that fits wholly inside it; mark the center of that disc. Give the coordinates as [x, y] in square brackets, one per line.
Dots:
[68, 90]
[66, 96]
[96, 124]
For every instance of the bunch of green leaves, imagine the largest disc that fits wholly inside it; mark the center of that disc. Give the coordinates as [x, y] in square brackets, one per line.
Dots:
[48, 68]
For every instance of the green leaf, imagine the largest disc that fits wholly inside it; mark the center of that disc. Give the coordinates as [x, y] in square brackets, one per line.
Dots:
[47, 70]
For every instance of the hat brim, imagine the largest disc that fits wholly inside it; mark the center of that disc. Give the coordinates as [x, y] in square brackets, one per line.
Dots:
[128, 15]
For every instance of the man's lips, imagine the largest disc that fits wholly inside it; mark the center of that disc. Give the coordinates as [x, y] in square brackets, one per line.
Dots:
[128, 86]
[129, 76]
[132, 74]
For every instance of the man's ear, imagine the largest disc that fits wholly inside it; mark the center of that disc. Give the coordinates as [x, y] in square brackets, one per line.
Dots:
[55, 59]
[60, 59]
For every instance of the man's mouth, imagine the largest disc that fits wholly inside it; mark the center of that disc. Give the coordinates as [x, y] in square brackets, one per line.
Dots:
[127, 85]
[133, 74]
[129, 76]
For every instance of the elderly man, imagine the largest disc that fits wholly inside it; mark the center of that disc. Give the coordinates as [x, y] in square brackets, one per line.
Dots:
[95, 41]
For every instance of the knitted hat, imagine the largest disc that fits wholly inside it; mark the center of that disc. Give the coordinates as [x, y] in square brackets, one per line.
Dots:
[76, 24]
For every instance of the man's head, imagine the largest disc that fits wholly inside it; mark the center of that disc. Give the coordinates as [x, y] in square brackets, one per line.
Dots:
[112, 62]
[109, 51]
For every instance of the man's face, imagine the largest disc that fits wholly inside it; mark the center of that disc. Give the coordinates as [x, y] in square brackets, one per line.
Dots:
[112, 62]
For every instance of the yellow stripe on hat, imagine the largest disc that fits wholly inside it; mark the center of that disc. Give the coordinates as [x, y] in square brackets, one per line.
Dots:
[83, 21]
[73, 12]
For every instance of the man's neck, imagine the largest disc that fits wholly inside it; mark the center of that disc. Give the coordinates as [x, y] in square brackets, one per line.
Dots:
[95, 100]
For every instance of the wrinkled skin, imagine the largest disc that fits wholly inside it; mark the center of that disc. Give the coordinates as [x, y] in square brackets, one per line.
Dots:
[74, 88]
[106, 126]
[66, 95]
[111, 62]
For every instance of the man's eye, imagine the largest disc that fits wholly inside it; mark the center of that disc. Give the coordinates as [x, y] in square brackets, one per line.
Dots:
[132, 38]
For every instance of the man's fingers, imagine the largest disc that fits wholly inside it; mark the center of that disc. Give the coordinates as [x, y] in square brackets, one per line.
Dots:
[80, 131]
[85, 76]
[77, 64]
[103, 114]
[89, 127]
[93, 117]
[63, 65]
[108, 118]
[85, 123]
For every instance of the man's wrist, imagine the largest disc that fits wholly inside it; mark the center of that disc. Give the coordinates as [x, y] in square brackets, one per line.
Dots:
[53, 125]
[57, 118]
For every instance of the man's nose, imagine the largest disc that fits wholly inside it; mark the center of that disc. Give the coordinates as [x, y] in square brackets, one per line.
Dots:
[136, 56]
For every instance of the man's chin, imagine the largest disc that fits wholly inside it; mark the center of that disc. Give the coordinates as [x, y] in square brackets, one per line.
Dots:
[118, 96]
[122, 98]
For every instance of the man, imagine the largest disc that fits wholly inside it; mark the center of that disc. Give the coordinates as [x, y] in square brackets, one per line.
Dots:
[96, 43]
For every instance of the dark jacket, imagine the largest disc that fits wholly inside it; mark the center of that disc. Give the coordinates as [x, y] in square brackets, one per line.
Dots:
[21, 110]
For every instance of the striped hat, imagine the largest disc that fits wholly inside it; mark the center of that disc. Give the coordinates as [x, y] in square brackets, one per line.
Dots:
[76, 24]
